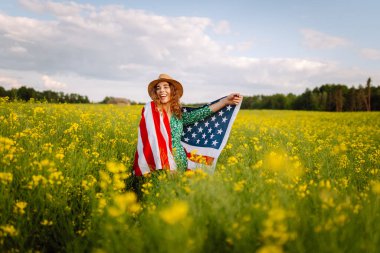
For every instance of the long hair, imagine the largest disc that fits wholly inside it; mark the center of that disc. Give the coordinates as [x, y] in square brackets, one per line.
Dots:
[175, 104]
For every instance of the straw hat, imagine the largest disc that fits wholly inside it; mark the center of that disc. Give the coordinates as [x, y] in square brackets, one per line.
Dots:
[165, 78]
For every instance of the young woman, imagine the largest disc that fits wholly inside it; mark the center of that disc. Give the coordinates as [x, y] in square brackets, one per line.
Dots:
[161, 126]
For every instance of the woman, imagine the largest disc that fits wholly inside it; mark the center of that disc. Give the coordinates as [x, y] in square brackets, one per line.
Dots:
[161, 126]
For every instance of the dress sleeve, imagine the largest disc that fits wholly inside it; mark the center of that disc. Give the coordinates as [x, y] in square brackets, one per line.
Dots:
[196, 115]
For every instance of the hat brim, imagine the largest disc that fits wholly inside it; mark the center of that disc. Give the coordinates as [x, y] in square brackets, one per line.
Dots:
[176, 84]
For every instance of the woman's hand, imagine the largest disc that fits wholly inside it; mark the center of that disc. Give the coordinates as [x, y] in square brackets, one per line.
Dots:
[233, 99]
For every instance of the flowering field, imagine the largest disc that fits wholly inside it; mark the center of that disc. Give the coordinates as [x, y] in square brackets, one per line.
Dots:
[287, 181]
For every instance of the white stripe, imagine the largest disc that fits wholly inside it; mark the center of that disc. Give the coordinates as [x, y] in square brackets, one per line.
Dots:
[141, 158]
[172, 164]
[228, 130]
[207, 168]
[152, 137]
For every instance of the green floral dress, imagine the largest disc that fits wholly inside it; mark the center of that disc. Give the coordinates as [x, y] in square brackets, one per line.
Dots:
[177, 125]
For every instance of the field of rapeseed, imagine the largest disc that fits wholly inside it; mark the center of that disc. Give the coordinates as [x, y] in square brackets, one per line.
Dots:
[287, 181]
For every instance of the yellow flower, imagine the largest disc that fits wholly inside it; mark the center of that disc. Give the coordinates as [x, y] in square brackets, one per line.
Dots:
[38, 110]
[105, 179]
[259, 164]
[56, 178]
[125, 202]
[270, 249]
[46, 222]
[37, 180]
[175, 213]
[59, 156]
[375, 187]
[6, 177]
[6, 230]
[19, 207]
[232, 160]
[239, 186]
[115, 167]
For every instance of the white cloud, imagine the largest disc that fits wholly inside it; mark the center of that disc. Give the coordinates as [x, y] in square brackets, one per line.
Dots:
[223, 27]
[59, 9]
[113, 51]
[49, 83]
[18, 49]
[8, 82]
[318, 40]
[370, 53]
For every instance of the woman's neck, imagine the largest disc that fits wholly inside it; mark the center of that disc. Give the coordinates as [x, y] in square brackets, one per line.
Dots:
[165, 107]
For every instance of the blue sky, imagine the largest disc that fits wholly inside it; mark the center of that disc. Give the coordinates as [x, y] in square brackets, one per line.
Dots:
[114, 48]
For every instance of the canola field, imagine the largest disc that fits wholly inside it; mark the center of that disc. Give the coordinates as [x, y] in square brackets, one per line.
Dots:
[287, 181]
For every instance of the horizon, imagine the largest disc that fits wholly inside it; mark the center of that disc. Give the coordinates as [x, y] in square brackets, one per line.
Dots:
[115, 48]
[205, 102]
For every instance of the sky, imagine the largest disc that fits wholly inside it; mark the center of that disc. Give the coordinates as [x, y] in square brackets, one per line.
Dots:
[115, 48]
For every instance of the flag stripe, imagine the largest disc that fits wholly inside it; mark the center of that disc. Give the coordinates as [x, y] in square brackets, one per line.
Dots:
[165, 129]
[136, 166]
[146, 149]
[161, 140]
[152, 137]
[154, 147]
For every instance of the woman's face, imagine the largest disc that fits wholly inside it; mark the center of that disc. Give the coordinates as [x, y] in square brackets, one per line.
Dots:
[163, 92]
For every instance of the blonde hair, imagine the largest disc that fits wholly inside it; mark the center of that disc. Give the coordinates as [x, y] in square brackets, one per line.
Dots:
[175, 104]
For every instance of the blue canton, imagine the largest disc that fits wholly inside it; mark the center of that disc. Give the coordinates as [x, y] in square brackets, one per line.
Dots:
[210, 131]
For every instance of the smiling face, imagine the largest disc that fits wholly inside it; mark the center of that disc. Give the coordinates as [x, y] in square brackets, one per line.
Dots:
[163, 92]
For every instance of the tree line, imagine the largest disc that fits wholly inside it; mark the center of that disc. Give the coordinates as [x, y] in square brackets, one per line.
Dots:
[328, 97]
[25, 94]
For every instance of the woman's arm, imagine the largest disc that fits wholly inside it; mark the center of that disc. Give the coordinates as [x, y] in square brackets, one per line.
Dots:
[199, 114]
[232, 99]
[196, 115]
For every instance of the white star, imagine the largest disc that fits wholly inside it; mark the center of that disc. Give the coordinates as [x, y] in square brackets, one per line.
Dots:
[203, 136]
[196, 123]
[198, 141]
[209, 130]
[229, 108]
[200, 130]
[193, 135]
[216, 124]
[189, 129]
[206, 124]
[220, 131]
[213, 118]
[186, 139]
[212, 136]
[224, 119]
[183, 134]
[206, 141]
[184, 110]
[221, 113]
[214, 143]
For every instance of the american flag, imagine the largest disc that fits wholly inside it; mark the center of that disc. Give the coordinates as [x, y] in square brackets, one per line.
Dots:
[154, 143]
[204, 140]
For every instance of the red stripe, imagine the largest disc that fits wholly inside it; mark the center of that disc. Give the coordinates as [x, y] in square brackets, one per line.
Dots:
[160, 138]
[147, 149]
[136, 167]
[195, 158]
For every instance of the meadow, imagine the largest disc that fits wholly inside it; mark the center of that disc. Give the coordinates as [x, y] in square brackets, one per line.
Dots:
[287, 181]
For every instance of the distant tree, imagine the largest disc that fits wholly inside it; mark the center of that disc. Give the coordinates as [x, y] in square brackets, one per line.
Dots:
[3, 92]
[361, 99]
[375, 98]
[338, 94]
[368, 97]
[351, 100]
